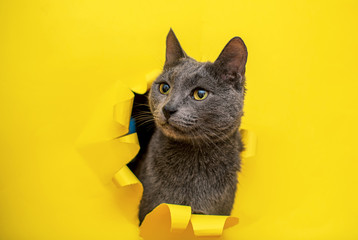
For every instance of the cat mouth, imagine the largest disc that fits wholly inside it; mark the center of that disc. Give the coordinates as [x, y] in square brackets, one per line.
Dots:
[173, 127]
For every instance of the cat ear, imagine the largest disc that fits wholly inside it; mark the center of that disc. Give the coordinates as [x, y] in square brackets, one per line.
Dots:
[232, 60]
[174, 51]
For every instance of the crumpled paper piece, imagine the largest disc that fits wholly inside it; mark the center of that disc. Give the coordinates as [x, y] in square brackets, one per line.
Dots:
[180, 217]
[107, 147]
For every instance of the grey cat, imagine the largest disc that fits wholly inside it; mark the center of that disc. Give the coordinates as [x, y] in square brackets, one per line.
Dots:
[193, 156]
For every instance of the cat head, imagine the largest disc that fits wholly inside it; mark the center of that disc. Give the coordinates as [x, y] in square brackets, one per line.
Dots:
[200, 101]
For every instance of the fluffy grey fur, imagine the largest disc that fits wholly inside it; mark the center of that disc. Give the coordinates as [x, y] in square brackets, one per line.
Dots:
[193, 156]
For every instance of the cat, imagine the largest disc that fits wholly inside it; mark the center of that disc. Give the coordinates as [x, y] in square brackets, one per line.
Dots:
[193, 155]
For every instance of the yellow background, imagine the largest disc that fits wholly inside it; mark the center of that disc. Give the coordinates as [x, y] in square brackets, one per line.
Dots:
[58, 57]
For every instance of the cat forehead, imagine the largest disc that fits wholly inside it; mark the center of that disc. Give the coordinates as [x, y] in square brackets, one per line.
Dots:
[189, 72]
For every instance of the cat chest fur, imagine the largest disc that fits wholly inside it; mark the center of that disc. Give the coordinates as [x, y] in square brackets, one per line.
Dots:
[191, 172]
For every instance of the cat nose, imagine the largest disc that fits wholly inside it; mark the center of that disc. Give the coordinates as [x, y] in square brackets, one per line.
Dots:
[168, 111]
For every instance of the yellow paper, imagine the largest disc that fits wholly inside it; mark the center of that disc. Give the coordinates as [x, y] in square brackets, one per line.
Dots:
[58, 57]
[207, 226]
[168, 221]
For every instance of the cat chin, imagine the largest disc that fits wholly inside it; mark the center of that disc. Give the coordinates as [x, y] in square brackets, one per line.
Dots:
[175, 132]
[192, 135]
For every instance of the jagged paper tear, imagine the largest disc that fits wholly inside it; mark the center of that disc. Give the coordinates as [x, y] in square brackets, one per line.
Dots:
[108, 148]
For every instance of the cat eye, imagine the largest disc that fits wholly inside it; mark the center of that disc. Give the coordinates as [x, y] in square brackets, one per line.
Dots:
[164, 88]
[200, 94]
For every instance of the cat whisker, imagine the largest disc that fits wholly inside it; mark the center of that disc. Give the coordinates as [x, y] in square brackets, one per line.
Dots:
[144, 123]
[141, 104]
